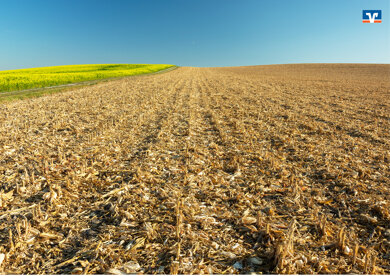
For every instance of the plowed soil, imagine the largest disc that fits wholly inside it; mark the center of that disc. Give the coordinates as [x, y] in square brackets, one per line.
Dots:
[269, 169]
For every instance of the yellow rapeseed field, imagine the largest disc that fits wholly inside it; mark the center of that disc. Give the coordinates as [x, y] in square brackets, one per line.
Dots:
[13, 80]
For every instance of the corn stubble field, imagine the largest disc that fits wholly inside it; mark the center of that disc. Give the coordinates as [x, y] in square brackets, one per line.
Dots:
[266, 169]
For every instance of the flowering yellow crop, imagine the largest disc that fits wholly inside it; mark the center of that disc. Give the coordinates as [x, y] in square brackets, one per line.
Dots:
[21, 79]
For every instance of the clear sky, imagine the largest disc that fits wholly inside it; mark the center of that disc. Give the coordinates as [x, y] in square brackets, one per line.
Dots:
[191, 32]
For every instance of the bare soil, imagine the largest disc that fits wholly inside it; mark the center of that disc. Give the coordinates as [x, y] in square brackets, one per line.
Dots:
[268, 169]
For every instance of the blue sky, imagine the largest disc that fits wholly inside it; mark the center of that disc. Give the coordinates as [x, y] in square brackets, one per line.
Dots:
[190, 32]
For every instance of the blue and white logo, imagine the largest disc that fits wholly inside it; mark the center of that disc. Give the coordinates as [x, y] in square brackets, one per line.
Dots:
[372, 16]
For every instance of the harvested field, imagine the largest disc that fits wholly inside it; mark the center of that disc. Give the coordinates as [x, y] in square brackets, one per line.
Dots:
[272, 169]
